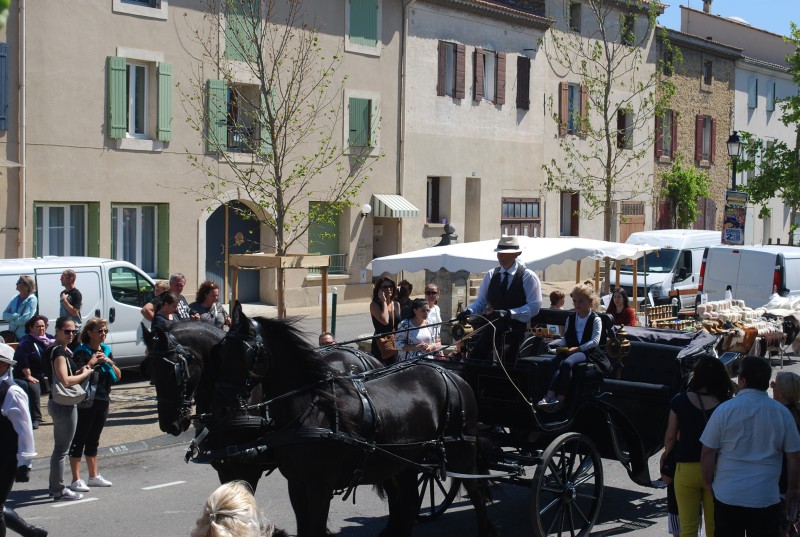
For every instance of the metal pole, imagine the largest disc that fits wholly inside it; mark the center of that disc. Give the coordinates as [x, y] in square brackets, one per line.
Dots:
[334, 292]
[733, 176]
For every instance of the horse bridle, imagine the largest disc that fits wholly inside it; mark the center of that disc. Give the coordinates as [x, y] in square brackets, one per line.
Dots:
[183, 374]
[255, 351]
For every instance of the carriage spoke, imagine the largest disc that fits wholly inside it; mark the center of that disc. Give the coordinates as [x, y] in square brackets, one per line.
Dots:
[547, 507]
[440, 485]
[559, 514]
[585, 465]
[555, 473]
[580, 512]
[584, 479]
[571, 521]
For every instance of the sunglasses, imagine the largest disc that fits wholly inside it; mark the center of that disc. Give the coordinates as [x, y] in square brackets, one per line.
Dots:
[101, 331]
[431, 293]
[387, 286]
[73, 332]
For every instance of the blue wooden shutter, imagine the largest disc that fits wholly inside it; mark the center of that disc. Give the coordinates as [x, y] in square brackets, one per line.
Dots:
[163, 240]
[217, 111]
[364, 22]
[116, 122]
[93, 229]
[359, 112]
[164, 102]
[3, 86]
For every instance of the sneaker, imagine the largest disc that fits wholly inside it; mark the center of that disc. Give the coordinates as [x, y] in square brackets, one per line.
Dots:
[99, 481]
[79, 486]
[549, 404]
[66, 495]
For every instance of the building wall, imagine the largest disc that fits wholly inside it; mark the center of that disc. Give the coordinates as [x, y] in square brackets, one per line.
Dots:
[693, 98]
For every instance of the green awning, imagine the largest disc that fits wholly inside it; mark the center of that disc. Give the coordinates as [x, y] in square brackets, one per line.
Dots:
[392, 206]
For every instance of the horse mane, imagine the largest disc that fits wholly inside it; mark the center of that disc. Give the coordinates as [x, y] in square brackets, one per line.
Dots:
[283, 337]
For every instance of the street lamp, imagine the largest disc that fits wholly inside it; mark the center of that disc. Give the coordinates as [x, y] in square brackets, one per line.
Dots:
[734, 151]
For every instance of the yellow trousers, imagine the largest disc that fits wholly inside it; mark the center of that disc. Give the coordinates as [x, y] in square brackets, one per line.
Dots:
[691, 493]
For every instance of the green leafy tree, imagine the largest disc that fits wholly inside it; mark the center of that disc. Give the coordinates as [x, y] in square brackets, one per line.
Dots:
[603, 162]
[776, 165]
[272, 120]
[684, 185]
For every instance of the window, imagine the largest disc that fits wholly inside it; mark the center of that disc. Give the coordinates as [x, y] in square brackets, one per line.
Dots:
[523, 82]
[323, 237]
[575, 16]
[152, 9]
[708, 71]
[490, 76]
[572, 108]
[667, 60]
[140, 235]
[363, 26]
[242, 29]
[627, 35]
[705, 139]
[450, 75]
[624, 134]
[752, 92]
[520, 216]
[569, 214]
[770, 95]
[432, 201]
[666, 143]
[129, 287]
[139, 89]
[65, 229]
[235, 119]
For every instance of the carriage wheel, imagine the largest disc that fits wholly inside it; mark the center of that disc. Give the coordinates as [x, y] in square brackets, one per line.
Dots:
[435, 495]
[567, 487]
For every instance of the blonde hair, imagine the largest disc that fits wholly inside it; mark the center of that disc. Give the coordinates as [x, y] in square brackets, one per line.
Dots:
[231, 511]
[586, 290]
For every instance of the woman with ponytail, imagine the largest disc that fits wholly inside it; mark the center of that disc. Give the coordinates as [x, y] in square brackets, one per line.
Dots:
[231, 511]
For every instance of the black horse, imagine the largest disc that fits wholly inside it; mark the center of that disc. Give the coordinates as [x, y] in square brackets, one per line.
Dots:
[333, 432]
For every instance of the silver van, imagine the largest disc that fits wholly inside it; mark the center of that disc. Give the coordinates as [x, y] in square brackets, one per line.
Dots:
[114, 290]
[753, 272]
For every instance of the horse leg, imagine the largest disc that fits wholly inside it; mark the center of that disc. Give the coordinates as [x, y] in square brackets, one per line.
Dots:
[471, 458]
[477, 489]
[311, 503]
[403, 497]
[227, 472]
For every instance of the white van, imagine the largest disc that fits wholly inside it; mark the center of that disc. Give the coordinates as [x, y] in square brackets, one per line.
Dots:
[675, 266]
[753, 272]
[114, 290]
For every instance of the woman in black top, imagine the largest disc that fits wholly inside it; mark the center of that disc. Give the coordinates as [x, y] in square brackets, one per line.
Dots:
[709, 386]
[385, 313]
[29, 371]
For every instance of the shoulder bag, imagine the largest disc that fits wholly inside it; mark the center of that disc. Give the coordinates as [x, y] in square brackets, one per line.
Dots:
[387, 344]
[68, 396]
[90, 386]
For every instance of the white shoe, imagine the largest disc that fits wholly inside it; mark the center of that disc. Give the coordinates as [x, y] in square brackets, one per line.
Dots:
[79, 486]
[99, 481]
[66, 495]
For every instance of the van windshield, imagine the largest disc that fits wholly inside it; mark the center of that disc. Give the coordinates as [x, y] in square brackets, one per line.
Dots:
[661, 261]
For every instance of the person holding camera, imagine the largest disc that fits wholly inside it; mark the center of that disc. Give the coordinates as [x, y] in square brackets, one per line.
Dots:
[509, 292]
[17, 448]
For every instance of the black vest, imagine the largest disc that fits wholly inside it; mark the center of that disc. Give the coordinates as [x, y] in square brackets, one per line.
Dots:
[506, 299]
[571, 336]
[9, 441]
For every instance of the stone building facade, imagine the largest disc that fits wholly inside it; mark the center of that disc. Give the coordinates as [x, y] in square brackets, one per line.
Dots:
[698, 123]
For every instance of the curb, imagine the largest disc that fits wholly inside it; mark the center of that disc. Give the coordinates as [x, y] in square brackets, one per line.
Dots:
[138, 446]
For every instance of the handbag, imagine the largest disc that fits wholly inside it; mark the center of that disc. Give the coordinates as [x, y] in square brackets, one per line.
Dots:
[68, 396]
[91, 390]
[668, 466]
[387, 345]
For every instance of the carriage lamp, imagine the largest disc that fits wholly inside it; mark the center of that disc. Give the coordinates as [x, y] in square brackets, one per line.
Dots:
[734, 151]
[365, 210]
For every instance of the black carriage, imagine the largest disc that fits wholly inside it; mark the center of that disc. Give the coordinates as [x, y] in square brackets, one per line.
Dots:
[621, 416]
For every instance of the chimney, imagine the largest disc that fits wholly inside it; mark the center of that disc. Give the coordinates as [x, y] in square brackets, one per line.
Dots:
[707, 6]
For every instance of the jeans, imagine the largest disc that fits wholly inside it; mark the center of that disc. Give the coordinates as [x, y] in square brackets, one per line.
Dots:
[736, 521]
[562, 377]
[65, 420]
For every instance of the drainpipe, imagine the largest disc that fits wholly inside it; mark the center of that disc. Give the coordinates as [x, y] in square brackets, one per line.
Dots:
[401, 115]
[23, 222]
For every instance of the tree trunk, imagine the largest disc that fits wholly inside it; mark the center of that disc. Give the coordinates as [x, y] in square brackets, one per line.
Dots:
[281, 293]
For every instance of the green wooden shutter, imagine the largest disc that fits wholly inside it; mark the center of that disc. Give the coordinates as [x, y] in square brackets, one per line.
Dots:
[359, 111]
[364, 22]
[266, 140]
[93, 229]
[217, 111]
[163, 240]
[164, 102]
[4, 90]
[116, 122]
[240, 38]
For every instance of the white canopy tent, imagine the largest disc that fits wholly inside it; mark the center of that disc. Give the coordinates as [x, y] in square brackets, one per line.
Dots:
[537, 254]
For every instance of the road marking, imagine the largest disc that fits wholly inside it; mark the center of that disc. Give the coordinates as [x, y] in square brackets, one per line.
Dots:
[73, 502]
[164, 485]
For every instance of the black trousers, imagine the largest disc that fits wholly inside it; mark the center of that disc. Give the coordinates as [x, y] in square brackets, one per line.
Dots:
[736, 521]
[8, 467]
[506, 342]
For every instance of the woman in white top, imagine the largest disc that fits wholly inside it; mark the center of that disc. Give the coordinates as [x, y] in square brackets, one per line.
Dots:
[581, 336]
[418, 339]
[435, 315]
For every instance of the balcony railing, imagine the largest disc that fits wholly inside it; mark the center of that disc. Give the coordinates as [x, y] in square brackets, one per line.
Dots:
[338, 265]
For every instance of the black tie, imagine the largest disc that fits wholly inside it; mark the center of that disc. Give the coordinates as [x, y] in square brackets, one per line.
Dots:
[504, 283]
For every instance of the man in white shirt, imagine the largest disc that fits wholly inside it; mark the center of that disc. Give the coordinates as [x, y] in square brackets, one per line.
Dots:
[743, 447]
[16, 443]
[511, 292]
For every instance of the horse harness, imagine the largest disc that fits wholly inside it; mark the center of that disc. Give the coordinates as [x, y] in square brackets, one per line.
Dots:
[183, 375]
